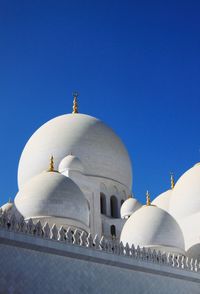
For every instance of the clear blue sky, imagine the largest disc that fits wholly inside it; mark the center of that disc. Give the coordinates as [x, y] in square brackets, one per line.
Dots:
[136, 65]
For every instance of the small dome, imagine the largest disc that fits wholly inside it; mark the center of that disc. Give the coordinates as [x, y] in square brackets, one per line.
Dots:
[162, 201]
[185, 200]
[7, 207]
[70, 162]
[10, 209]
[52, 195]
[194, 251]
[153, 227]
[129, 206]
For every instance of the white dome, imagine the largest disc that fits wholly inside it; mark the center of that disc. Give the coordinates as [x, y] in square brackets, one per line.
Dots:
[10, 209]
[162, 201]
[52, 195]
[185, 200]
[153, 227]
[7, 206]
[190, 228]
[96, 145]
[194, 252]
[129, 206]
[70, 162]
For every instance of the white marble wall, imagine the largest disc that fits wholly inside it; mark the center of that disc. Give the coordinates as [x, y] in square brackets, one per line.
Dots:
[31, 265]
[92, 187]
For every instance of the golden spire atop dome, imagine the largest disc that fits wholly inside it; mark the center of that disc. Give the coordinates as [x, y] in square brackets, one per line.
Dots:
[172, 181]
[148, 200]
[51, 165]
[75, 102]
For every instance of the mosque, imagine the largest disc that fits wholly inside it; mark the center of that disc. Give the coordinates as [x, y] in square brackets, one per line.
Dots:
[76, 227]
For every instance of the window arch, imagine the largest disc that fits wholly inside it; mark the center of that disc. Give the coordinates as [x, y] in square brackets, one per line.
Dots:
[103, 203]
[113, 206]
[113, 231]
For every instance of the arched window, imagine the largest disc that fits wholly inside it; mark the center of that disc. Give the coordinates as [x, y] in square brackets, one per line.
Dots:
[122, 201]
[113, 206]
[113, 231]
[103, 203]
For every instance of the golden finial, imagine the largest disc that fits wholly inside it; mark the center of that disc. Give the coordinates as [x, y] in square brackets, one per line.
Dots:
[75, 102]
[129, 196]
[172, 181]
[148, 200]
[51, 165]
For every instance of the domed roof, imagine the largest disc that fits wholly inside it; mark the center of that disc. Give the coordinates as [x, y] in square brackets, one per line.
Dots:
[185, 200]
[51, 194]
[190, 228]
[10, 209]
[194, 252]
[7, 206]
[70, 162]
[153, 227]
[162, 201]
[100, 150]
[129, 206]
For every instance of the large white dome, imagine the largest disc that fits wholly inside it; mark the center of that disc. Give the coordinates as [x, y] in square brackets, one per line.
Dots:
[163, 200]
[153, 227]
[190, 229]
[185, 200]
[96, 145]
[51, 196]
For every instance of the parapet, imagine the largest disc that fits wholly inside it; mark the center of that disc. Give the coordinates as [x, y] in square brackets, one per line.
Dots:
[82, 239]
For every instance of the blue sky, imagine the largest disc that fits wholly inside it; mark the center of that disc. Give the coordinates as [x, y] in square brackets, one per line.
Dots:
[136, 65]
